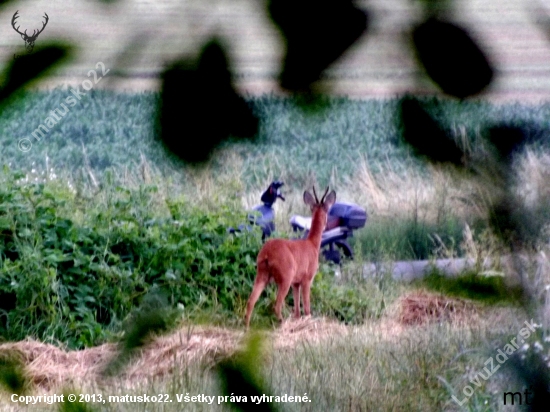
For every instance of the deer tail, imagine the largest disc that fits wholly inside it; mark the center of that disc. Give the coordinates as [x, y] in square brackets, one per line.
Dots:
[263, 264]
[263, 268]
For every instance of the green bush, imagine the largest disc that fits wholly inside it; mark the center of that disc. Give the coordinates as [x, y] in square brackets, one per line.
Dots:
[350, 297]
[73, 270]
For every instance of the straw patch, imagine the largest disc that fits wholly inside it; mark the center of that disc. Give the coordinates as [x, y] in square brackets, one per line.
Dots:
[422, 307]
[308, 329]
[48, 366]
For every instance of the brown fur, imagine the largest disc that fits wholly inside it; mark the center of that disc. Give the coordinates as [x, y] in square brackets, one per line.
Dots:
[292, 262]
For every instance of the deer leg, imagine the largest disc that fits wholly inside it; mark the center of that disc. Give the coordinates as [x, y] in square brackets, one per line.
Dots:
[305, 295]
[259, 285]
[281, 295]
[296, 294]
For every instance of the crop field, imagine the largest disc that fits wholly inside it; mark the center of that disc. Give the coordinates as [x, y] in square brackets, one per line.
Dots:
[119, 279]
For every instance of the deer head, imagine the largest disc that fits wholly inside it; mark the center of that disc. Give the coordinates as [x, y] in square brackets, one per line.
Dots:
[29, 40]
[325, 203]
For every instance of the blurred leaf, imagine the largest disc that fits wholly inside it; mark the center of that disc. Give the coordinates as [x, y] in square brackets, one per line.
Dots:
[28, 68]
[425, 135]
[153, 316]
[517, 225]
[533, 373]
[506, 139]
[436, 6]
[74, 406]
[451, 58]
[239, 376]
[199, 108]
[127, 57]
[316, 34]
[509, 138]
[541, 17]
[12, 375]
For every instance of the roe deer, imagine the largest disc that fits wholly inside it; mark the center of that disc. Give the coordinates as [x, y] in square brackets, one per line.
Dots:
[292, 262]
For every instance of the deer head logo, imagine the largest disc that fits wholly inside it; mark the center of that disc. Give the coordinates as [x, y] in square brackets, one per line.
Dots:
[29, 40]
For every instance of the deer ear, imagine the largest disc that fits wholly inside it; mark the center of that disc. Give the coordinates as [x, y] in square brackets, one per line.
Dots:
[329, 200]
[308, 199]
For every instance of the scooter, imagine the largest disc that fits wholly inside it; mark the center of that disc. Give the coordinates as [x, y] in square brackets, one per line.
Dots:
[263, 215]
[343, 218]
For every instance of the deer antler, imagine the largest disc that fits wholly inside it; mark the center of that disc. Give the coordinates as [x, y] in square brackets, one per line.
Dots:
[15, 16]
[315, 194]
[29, 40]
[43, 25]
[323, 198]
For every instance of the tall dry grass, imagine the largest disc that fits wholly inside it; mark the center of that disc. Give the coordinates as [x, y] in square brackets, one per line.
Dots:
[430, 196]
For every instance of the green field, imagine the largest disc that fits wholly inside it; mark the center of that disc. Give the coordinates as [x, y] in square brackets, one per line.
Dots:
[111, 131]
[354, 146]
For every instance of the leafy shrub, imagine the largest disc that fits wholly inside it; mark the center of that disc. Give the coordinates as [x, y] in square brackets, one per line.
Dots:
[84, 270]
[73, 271]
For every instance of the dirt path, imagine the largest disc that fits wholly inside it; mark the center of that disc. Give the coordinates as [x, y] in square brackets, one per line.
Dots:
[416, 269]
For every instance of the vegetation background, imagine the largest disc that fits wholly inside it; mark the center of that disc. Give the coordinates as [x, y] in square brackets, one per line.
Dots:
[106, 239]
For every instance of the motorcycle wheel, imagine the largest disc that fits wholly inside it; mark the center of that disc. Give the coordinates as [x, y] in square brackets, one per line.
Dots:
[337, 252]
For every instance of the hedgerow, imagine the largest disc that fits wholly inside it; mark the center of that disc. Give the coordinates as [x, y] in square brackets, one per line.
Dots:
[73, 272]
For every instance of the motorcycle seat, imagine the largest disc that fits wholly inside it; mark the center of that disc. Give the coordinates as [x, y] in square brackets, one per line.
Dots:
[301, 221]
[336, 232]
[305, 222]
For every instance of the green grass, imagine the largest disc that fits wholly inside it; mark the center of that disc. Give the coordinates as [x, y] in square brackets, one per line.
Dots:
[80, 270]
[473, 286]
[407, 239]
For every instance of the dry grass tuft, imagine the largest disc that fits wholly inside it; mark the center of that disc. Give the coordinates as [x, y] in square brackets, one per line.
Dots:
[308, 329]
[49, 367]
[172, 352]
[533, 173]
[422, 307]
[430, 197]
